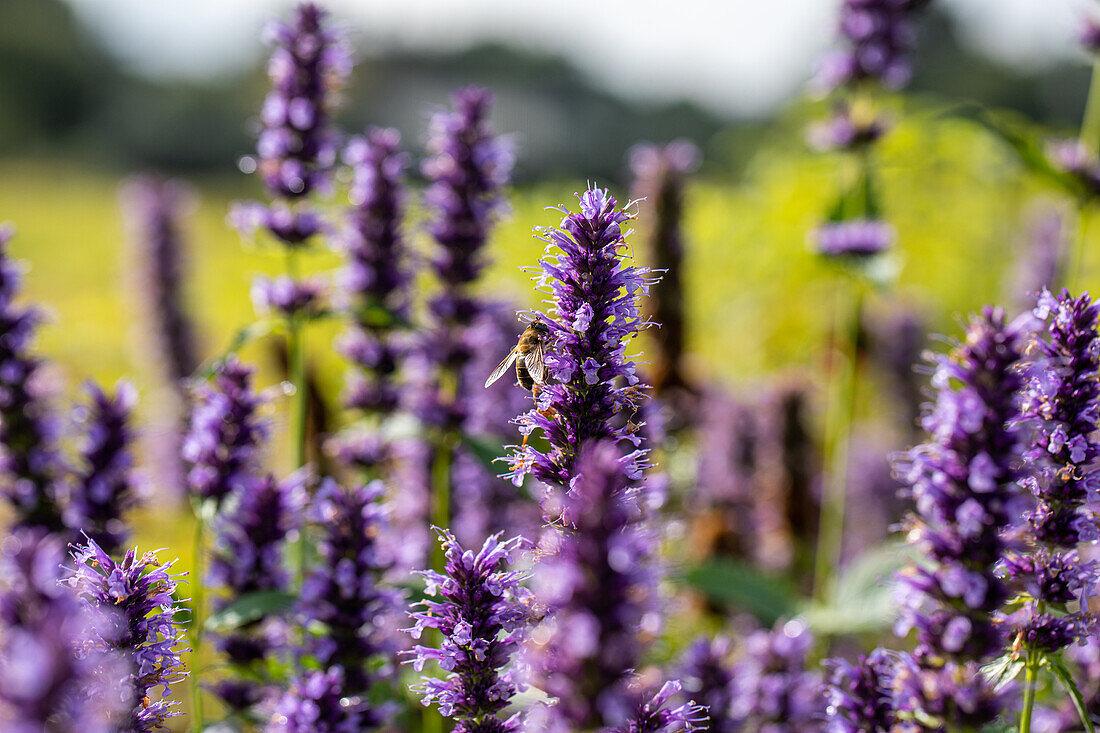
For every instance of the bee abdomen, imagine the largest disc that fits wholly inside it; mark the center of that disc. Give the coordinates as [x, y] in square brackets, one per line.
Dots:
[524, 376]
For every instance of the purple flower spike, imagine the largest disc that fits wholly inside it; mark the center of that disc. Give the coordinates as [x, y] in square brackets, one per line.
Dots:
[878, 35]
[1076, 159]
[297, 147]
[104, 487]
[708, 677]
[136, 598]
[597, 583]
[318, 702]
[772, 687]
[659, 176]
[222, 446]
[29, 461]
[948, 698]
[483, 614]
[345, 592]
[593, 389]
[1061, 405]
[1062, 402]
[250, 540]
[854, 238]
[657, 716]
[859, 695]
[155, 211]
[45, 684]
[963, 481]
[377, 269]
[846, 129]
[287, 297]
[468, 167]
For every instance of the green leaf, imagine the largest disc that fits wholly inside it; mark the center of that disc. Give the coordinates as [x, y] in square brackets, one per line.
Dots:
[1024, 140]
[241, 338]
[868, 199]
[489, 451]
[733, 583]
[377, 315]
[1066, 678]
[486, 449]
[864, 595]
[249, 608]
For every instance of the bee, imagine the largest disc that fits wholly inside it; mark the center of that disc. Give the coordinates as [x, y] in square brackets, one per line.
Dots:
[528, 356]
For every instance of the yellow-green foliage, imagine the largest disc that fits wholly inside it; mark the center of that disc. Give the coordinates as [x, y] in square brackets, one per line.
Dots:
[758, 299]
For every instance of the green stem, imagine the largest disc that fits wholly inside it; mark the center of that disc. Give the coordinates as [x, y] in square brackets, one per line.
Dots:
[830, 539]
[296, 366]
[197, 620]
[299, 408]
[431, 720]
[1031, 672]
[441, 494]
[1090, 136]
[1090, 123]
[1074, 274]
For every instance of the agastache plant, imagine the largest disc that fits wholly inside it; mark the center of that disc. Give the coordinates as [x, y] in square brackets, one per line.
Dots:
[136, 598]
[482, 610]
[104, 485]
[1061, 403]
[29, 459]
[345, 595]
[963, 483]
[318, 702]
[51, 679]
[468, 166]
[221, 453]
[659, 176]
[250, 539]
[859, 694]
[297, 150]
[707, 675]
[593, 390]
[876, 37]
[155, 211]
[597, 584]
[222, 445]
[773, 687]
[378, 271]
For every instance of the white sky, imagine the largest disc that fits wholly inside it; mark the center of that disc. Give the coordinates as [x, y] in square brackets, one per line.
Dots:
[735, 56]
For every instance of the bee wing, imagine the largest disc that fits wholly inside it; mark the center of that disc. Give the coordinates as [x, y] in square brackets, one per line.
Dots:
[536, 367]
[502, 368]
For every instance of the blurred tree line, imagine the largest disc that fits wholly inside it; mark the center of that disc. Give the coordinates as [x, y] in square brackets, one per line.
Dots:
[63, 96]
